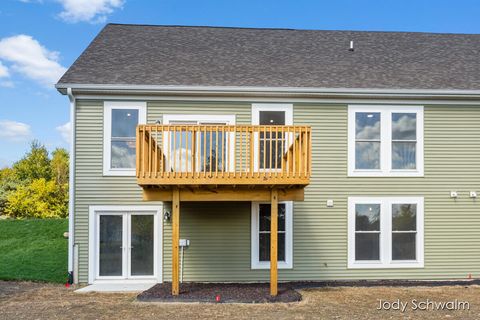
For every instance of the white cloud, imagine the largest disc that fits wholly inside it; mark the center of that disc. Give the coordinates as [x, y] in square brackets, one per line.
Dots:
[94, 11]
[31, 59]
[3, 71]
[14, 131]
[64, 131]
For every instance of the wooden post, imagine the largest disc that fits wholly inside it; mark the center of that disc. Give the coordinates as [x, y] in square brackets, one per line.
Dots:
[175, 239]
[274, 242]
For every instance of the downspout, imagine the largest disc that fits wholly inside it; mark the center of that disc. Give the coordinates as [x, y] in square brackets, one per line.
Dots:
[71, 187]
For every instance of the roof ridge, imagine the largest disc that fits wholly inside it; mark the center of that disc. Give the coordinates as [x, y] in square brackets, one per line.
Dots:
[283, 29]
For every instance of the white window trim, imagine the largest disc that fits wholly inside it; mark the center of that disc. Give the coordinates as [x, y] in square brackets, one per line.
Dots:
[93, 213]
[229, 119]
[256, 108]
[214, 118]
[385, 261]
[255, 225]
[386, 141]
[108, 106]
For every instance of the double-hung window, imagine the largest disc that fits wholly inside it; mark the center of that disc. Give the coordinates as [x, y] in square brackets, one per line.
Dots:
[119, 146]
[385, 140]
[261, 235]
[385, 232]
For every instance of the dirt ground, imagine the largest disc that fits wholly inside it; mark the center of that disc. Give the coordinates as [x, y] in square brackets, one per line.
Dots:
[26, 300]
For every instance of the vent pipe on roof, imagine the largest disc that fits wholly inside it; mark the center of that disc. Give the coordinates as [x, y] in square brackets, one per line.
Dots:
[351, 46]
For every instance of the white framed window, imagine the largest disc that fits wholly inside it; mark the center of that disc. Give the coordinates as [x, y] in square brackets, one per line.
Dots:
[260, 235]
[270, 114]
[385, 140]
[385, 232]
[183, 152]
[119, 136]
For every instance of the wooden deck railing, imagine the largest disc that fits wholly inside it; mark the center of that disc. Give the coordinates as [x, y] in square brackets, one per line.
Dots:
[223, 155]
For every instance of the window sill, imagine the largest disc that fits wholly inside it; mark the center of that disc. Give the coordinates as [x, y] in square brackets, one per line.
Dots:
[393, 173]
[119, 173]
[380, 265]
[266, 265]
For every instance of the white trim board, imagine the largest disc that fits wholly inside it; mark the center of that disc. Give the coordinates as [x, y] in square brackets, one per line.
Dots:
[204, 118]
[249, 99]
[94, 210]
[141, 106]
[72, 267]
[265, 89]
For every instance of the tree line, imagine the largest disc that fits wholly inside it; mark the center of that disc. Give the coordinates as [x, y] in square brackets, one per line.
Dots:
[36, 186]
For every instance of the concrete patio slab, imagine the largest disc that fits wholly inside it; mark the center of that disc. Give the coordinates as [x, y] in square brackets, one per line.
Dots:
[116, 287]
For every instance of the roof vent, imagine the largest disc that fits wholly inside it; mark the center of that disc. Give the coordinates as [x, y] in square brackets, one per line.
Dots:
[351, 46]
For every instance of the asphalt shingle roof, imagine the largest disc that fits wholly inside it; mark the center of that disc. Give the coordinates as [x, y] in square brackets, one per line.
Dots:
[213, 56]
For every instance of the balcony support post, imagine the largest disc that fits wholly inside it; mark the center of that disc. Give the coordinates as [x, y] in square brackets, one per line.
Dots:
[274, 242]
[175, 240]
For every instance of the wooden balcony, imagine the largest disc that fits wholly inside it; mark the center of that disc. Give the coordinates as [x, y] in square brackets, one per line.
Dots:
[223, 155]
[223, 163]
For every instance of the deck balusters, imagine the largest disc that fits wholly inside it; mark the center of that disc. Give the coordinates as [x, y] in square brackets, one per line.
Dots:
[223, 154]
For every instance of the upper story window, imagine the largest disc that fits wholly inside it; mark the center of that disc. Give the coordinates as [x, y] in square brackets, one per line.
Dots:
[385, 232]
[385, 140]
[271, 142]
[119, 147]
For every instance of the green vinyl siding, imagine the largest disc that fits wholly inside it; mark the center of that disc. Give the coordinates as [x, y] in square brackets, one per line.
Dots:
[220, 232]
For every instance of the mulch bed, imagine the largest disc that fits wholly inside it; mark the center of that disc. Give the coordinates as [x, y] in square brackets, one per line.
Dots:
[383, 283]
[260, 292]
[228, 292]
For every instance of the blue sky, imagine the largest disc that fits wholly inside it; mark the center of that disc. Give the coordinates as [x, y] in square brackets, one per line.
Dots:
[40, 38]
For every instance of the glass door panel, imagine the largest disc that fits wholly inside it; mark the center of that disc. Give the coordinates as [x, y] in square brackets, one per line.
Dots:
[212, 148]
[111, 245]
[141, 245]
[272, 144]
[180, 147]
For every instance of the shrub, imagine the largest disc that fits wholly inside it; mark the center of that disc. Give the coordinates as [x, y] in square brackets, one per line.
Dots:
[39, 199]
[8, 183]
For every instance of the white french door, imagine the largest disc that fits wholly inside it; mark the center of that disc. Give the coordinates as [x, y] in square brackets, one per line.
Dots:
[126, 245]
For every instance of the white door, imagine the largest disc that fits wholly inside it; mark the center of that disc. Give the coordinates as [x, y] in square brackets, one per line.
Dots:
[126, 245]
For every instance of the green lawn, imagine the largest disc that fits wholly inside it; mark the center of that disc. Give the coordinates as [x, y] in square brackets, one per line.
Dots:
[33, 250]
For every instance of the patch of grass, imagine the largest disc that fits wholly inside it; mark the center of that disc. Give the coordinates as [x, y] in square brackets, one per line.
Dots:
[33, 250]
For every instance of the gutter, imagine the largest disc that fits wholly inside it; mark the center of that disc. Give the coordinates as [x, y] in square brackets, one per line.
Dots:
[71, 187]
[268, 91]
